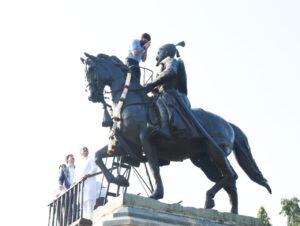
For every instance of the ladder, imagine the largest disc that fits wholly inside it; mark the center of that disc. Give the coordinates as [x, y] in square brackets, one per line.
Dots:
[107, 189]
[119, 167]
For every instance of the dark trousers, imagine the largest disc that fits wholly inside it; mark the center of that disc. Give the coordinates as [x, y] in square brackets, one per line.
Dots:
[134, 67]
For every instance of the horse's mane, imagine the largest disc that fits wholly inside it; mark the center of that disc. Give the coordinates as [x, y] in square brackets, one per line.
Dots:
[112, 60]
[115, 60]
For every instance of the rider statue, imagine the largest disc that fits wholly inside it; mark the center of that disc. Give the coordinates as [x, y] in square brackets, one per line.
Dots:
[170, 95]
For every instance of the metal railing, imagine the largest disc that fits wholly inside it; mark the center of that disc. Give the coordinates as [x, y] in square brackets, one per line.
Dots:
[145, 77]
[67, 208]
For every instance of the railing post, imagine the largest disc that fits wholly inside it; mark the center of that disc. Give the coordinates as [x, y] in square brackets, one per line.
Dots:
[67, 208]
[81, 200]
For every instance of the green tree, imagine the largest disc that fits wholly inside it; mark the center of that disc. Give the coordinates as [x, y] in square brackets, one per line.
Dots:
[262, 214]
[291, 209]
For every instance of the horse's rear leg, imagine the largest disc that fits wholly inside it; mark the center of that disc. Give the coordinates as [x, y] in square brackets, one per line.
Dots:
[213, 172]
[233, 196]
[119, 180]
[229, 176]
[151, 154]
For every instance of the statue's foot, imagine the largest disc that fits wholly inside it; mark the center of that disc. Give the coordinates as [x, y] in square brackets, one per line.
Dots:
[156, 131]
[209, 203]
[121, 181]
[162, 133]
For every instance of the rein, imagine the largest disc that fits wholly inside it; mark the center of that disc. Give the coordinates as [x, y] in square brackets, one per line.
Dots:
[129, 90]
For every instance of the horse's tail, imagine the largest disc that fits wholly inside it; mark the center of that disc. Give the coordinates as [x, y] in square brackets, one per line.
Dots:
[245, 159]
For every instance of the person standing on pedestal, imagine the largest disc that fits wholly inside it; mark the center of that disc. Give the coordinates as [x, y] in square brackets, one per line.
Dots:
[84, 168]
[66, 175]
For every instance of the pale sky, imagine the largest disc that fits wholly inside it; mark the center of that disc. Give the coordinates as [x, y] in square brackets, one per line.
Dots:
[242, 60]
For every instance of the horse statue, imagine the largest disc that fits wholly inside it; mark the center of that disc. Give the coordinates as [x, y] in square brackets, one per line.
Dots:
[136, 145]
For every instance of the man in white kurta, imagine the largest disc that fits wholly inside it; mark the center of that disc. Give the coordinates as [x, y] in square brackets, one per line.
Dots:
[85, 167]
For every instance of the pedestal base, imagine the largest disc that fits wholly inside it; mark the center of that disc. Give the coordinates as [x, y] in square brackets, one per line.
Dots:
[133, 210]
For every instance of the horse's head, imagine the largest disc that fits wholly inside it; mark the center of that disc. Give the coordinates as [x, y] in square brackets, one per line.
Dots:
[101, 71]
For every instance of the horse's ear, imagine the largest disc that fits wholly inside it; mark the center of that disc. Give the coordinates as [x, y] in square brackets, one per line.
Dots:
[182, 44]
[87, 55]
[90, 59]
[82, 60]
[90, 56]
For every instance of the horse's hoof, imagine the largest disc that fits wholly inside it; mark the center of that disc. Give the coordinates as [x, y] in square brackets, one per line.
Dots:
[121, 181]
[209, 204]
[234, 210]
[156, 195]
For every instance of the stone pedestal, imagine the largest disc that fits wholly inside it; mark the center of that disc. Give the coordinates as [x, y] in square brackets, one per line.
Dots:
[133, 210]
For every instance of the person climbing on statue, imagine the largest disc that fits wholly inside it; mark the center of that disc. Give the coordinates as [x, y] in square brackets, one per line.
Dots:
[170, 95]
[137, 52]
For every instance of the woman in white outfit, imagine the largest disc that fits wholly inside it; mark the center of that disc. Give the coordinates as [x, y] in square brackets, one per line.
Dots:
[85, 167]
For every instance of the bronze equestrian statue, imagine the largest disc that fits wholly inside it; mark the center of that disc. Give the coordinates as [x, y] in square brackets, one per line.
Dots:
[170, 96]
[143, 135]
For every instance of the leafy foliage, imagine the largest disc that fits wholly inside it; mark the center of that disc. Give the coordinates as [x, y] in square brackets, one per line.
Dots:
[262, 214]
[291, 209]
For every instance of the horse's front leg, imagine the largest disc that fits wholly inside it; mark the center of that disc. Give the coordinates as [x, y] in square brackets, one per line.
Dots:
[151, 154]
[119, 180]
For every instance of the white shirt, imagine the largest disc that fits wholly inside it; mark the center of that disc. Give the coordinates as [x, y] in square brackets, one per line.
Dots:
[87, 166]
[71, 169]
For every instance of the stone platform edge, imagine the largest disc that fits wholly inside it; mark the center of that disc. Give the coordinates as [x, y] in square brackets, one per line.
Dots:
[139, 202]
